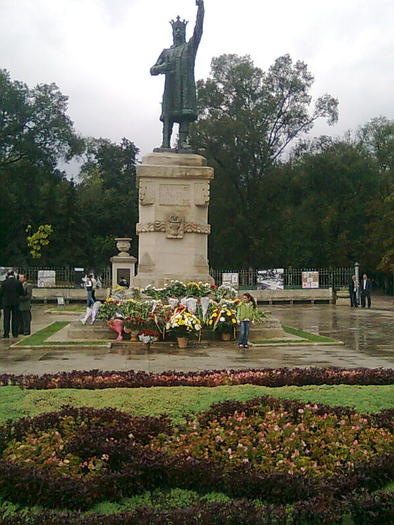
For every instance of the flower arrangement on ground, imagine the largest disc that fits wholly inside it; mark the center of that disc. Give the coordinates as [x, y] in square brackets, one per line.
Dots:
[109, 309]
[183, 323]
[224, 291]
[148, 336]
[200, 289]
[223, 319]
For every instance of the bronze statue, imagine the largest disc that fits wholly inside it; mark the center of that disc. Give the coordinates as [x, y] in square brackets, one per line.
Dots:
[177, 64]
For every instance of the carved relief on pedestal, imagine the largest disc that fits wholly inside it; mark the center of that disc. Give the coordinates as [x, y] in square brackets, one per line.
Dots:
[147, 194]
[194, 227]
[201, 194]
[175, 227]
[156, 226]
[174, 195]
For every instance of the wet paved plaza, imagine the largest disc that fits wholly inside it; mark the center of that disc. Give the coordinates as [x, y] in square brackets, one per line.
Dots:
[368, 337]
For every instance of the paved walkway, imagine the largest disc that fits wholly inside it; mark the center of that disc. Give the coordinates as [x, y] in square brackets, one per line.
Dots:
[368, 337]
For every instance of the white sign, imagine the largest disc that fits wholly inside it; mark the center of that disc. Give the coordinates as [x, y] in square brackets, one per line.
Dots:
[310, 279]
[3, 272]
[230, 279]
[272, 279]
[46, 278]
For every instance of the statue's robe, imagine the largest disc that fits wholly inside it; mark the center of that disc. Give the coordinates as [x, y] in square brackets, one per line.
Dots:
[179, 98]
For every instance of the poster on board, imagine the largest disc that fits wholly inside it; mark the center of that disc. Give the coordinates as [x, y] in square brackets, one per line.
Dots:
[230, 279]
[310, 279]
[46, 278]
[272, 279]
[3, 272]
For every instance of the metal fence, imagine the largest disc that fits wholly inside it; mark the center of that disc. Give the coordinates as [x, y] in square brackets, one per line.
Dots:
[336, 278]
[64, 277]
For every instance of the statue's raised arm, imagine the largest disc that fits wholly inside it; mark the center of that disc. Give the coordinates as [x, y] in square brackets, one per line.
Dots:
[197, 33]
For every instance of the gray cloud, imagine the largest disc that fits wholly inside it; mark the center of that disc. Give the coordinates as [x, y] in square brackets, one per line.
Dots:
[99, 53]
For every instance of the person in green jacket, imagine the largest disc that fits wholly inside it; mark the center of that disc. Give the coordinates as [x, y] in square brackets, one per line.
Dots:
[245, 314]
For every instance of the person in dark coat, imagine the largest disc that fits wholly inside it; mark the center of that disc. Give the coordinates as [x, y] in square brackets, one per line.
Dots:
[25, 306]
[353, 289]
[11, 291]
[366, 287]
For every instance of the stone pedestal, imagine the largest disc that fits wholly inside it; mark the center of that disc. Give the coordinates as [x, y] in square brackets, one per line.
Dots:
[123, 264]
[173, 224]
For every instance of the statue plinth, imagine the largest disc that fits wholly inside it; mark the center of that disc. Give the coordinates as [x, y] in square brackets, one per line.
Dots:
[173, 224]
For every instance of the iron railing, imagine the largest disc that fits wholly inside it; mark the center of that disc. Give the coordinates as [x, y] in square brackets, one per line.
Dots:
[65, 276]
[335, 278]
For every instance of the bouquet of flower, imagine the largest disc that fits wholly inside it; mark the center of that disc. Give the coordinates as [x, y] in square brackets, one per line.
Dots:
[154, 293]
[183, 323]
[148, 337]
[224, 291]
[175, 289]
[109, 309]
[199, 289]
[223, 319]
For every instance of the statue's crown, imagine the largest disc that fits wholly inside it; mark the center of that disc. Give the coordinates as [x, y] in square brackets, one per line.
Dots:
[179, 23]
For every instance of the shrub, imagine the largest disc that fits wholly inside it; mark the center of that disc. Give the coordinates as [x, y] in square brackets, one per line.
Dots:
[271, 377]
[98, 455]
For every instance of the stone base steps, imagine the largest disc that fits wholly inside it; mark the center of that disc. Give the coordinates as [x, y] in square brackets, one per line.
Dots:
[269, 328]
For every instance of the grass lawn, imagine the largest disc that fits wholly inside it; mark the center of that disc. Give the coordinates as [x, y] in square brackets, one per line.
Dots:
[41, 336]
[176, 401]
[313, 338]
[69, 308]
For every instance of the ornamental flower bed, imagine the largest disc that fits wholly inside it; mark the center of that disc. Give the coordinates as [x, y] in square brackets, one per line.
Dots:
[272, 377]
[273, 439]
[79, 456]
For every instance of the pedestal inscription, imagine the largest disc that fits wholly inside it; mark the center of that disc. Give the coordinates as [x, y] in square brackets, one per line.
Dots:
[174, 195]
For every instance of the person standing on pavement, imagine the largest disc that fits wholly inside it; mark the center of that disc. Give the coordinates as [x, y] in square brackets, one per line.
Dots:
[25, 305]
[245, 315]
[11, 291]
[353, 291]
[366, 287]
[88, 283]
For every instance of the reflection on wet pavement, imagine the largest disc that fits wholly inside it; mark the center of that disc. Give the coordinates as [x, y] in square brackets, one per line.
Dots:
[368, 337]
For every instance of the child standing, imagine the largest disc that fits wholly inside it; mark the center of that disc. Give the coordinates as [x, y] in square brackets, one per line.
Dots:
[245, 314]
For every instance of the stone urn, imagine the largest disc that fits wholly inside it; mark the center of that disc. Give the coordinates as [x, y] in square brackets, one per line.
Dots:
[123, 245]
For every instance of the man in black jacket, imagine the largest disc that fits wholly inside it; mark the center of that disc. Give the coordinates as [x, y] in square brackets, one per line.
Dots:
[366, 287]
[11, 290]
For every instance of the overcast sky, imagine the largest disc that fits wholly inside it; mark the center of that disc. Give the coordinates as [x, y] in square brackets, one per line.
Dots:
[99, 53]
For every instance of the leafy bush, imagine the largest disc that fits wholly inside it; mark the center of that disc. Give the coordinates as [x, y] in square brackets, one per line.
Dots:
[273, 439]
[271, 377]
[97, 455]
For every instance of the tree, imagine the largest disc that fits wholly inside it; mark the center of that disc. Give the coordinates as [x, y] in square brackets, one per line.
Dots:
[34, 125]
[377, 138]
[35, 133]
[248, 118]
[37, 240]
[107, 194]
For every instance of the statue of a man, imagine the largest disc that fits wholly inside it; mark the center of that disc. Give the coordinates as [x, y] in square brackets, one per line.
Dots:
[177, 64]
